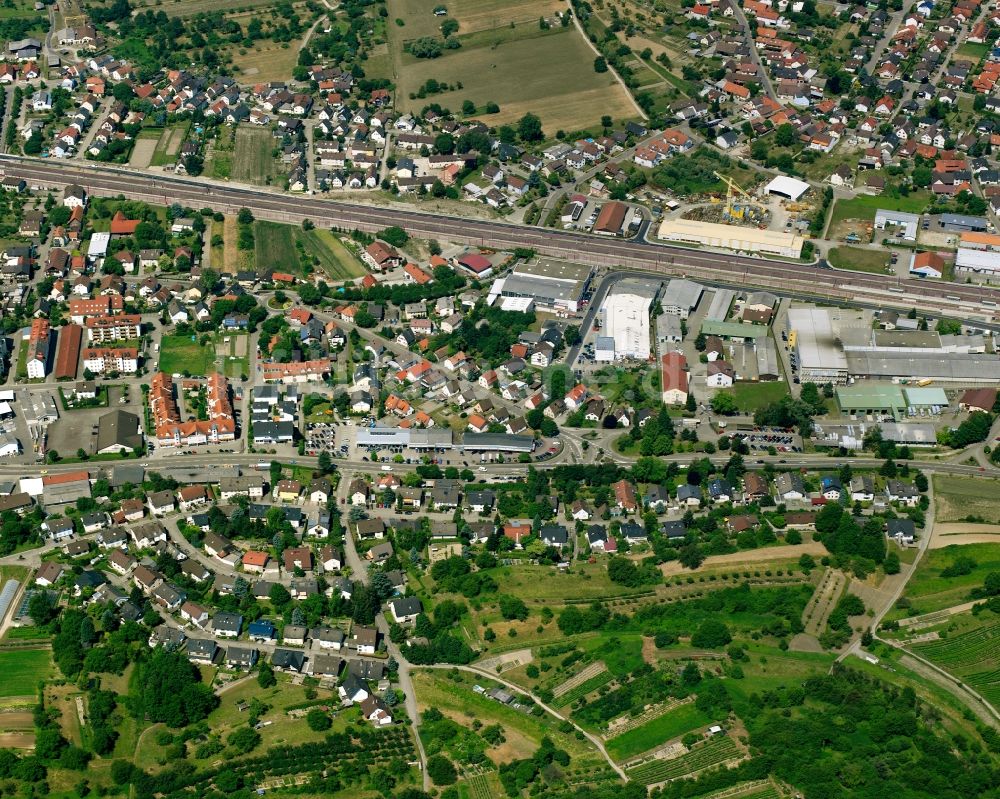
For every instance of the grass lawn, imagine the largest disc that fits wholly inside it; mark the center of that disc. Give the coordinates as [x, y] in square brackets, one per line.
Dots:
[751, 396]
[169, 144]
[653, 733]
[865, 206]
[859, 259]
[21, 370]
[543, 585]
[972, 50]
[234, 364]
[29, 633]
[929, 591]
[188, 8]
[550, 75]
[958, 499]
[22, 670]
[180, 353]
[253, 161]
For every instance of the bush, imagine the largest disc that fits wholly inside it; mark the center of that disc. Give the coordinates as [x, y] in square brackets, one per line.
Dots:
[712, 634]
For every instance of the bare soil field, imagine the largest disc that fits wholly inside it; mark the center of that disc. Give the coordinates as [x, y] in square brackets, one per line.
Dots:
[142, 153]
[752, 556]
[964, 533]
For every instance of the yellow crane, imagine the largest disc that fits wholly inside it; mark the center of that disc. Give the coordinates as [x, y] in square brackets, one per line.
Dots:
[732, 187]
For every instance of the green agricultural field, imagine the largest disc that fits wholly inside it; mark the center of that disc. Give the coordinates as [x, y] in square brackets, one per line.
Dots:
[858, 259]
[520, 69]
[179, 354]
[929, 590]
[274, 247]
[334, 257]
[253, 157]
[22, 669]
[959, 499]
[670, 725]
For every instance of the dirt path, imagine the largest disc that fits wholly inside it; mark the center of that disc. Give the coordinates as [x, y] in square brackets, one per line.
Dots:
[821, 603]
[750, 556]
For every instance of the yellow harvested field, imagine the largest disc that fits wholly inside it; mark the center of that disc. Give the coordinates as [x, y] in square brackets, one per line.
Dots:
[551, 76]
[266, 62]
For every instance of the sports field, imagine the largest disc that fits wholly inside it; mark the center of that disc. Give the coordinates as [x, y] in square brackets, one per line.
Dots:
[253, 160]
[22, 669]
[180, 353]
[521, 68]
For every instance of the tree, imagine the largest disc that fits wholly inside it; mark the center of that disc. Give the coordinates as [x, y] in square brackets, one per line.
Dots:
[324, 462]
[394, 235]
[244, 740]
[724, 404]
[784, 136]
[512, 607]
[441, 770]
[245, 216]
[265, 676]
[318, 720]
[600, 64]
[529, 128]
[712, 634]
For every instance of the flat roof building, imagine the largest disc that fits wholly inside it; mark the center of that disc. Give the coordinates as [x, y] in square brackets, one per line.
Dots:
[731, 237]
[815, 335]
[553, 285]
[930, 397]
[681, 297]
[626, 318]
[961, 223]
[497, 442]
[404, 437]
[968, 368]
[977, 260]
[872, 398]
[905, 225]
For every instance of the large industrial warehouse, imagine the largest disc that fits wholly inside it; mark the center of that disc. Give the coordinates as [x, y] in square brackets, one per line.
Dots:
[556, 286]
[731, 237]
[625, 313]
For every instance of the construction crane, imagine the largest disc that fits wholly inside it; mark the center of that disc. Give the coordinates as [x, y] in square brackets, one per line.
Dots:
[734, 210]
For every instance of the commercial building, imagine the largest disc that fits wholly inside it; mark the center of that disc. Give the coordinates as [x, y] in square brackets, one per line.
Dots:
[731, 237]
[722, 301]
[961, 223]
[902, 226]
[118, 431]
[497, 442]
[416, 439]
[626, 318]
[965, 368]
[977, 260]
[874, 398]
[555, 286]
[681, 297]
[611, 219]
[813, 335]
[68, 352]
[785, 186]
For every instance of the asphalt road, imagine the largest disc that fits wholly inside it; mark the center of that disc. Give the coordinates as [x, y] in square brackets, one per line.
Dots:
[963, 301]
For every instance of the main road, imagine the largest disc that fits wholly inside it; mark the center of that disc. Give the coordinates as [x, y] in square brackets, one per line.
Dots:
[966, 302]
